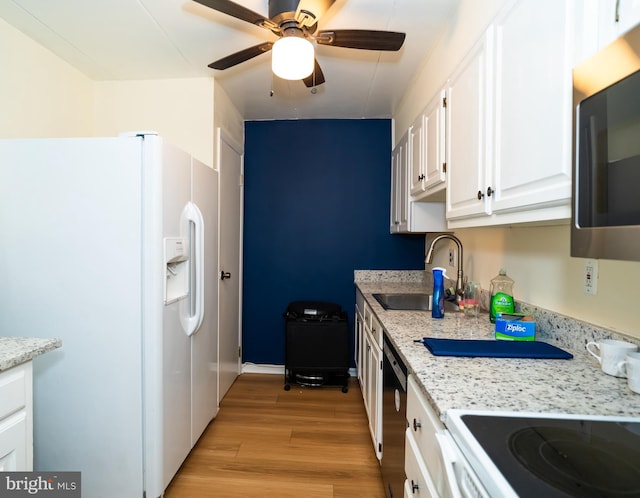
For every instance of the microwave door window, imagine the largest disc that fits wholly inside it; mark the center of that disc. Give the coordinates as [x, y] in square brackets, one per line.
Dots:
[609, 151]
[623, 181]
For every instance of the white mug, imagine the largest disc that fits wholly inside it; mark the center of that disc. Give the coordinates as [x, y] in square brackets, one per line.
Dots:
[631, 367]
[612, 353]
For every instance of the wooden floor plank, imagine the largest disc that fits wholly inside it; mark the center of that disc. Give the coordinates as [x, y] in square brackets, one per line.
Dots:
[267, 442]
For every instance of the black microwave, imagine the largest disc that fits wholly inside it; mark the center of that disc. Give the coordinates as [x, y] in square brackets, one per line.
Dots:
[605, 220]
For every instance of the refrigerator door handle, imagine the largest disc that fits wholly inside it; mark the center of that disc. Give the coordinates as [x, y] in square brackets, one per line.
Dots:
[195, 310]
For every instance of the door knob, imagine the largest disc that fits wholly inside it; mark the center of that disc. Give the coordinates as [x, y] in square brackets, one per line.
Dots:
[224, 274]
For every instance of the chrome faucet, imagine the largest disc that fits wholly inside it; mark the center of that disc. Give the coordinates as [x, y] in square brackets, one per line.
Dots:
[460, 278]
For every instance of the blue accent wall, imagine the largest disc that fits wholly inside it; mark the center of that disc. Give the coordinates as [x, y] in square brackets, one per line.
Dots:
[316, 208]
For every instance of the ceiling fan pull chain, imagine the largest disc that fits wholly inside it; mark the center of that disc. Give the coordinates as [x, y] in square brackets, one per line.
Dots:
[271, 91]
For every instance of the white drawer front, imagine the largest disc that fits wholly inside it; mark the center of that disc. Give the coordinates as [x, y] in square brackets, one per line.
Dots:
[14, 441]
[419, 483]
[423, 425]
[14, 388]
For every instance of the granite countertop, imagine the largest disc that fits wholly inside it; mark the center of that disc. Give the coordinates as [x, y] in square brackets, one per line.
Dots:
[501, 384]
[17, 350]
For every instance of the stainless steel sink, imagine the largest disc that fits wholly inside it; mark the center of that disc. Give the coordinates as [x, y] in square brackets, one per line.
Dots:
[404, 301]
[409, 302]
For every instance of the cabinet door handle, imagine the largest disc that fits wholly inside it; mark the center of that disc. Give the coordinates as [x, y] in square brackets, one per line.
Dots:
[224, 275]
[416, 425]
[414, 487]
[421, 177]
[490, 191]
[480, 195]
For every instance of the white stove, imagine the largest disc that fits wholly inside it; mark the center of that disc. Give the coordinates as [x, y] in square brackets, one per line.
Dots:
[516, 454]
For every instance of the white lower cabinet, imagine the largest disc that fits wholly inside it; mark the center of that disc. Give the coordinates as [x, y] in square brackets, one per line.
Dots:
[16, 418]
[369, 336]
[373, 386]
[423, 461]
[419, 483]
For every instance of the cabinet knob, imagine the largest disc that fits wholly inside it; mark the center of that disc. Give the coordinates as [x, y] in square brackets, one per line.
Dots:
[480, 195]
[490, 191]
[414, 486]
[421, 177]
[416, 425]
[224, 275]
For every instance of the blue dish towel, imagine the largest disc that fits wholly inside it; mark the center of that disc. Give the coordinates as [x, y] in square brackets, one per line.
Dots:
[497, 349]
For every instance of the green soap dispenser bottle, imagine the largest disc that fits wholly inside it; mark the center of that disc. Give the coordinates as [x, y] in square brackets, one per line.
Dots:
[501, 291]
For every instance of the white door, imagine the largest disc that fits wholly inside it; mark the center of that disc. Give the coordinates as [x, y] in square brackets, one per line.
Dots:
[204, 342]
[176, 344]
[230, 169]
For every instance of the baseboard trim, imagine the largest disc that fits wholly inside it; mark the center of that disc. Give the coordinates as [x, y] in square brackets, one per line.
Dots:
[262, 368]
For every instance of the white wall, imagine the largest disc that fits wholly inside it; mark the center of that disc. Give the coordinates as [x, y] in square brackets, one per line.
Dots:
[180, 110]
[537, 258]
[40, 95]
[43, 96]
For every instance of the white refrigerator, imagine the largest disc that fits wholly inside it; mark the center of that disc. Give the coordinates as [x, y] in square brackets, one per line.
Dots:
[111, 245]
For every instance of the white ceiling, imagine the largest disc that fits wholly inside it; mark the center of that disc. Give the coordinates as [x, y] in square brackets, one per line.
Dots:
[155, 39]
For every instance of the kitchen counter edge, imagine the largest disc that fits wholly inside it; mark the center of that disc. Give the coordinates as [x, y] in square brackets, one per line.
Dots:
[17, 350]
[575, 386]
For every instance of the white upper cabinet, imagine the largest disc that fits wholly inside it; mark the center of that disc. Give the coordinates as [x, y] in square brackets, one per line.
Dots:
[467, 113]
[417, 176]
[399, 186]
[428, 150]
[616, 17]
[534, 55]
[408, 216]
[510, 118]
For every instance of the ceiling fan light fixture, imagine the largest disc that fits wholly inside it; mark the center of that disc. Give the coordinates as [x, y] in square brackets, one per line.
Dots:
[292, 58]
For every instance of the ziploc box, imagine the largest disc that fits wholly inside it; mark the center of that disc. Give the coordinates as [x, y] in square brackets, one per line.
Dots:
[515, 327]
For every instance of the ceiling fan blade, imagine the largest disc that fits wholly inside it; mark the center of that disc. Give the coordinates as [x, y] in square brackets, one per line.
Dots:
[309, 11]
[243, 55]
[362, 39]
[316, 78]
[238, 11]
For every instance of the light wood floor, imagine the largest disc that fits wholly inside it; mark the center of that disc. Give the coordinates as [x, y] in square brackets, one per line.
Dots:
[268, 442]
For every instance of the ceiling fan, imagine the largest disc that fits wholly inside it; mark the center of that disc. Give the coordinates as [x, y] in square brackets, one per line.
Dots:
[296, 21]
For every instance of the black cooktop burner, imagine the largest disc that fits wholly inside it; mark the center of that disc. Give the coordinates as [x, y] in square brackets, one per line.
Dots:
[581, 464]
[562, 457]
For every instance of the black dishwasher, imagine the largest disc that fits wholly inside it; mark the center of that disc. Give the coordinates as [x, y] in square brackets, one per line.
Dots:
[394, 421]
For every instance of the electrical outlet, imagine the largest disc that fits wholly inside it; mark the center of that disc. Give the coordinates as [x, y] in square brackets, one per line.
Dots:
[591, 276]
[452, 257]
